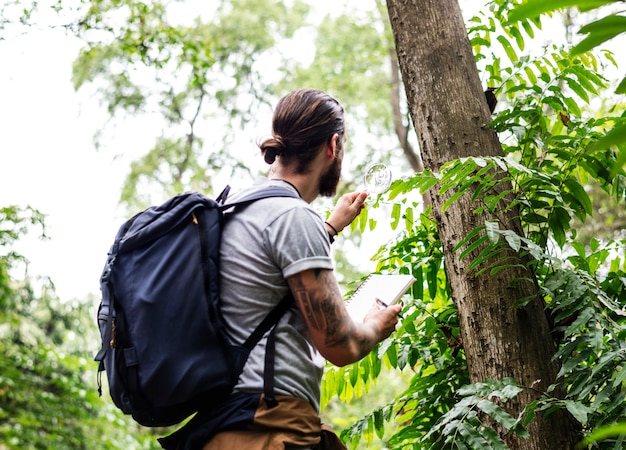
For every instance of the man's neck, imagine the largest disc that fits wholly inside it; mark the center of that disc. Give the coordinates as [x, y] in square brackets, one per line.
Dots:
[306, 184]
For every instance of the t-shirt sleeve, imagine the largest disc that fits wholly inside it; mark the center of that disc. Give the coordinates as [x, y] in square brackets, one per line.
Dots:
[298, 241]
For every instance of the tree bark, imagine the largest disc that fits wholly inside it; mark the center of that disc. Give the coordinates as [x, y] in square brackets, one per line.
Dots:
[449, 110]
[402, 130]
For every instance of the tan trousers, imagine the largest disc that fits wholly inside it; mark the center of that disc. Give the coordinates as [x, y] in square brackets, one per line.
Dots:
[293, 424]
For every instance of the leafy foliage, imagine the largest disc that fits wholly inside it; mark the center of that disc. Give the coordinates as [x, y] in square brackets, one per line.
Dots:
[552, 155]
[557, 155]
[47, 399]
[462, 421]
[200, 75]
[598, 32]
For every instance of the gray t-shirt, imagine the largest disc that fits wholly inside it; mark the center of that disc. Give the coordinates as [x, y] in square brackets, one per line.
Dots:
[262, 245]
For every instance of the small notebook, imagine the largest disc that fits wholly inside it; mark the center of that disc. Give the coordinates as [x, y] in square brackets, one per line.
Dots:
[389, 288]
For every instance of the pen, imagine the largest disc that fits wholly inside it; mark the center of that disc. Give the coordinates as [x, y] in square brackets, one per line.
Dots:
[381, 303]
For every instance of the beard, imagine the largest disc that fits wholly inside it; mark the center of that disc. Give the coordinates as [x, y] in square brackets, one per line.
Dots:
[330, 180]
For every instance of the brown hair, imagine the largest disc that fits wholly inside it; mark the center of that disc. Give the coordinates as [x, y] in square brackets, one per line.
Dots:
[303, 121]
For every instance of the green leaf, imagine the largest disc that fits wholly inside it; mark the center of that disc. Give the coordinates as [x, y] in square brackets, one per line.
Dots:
[572, 106]
[392, 355]
[454, 197]
[395, 215]
[493, 230]
[587, 79]
[369, 431]
[559, 223]
[577, 88]
[379, 423]
[579, 194]
[494, 439]
[605, 432]
[497, 414]
[365, 367]
[341, 383]
[519, 39]
[431, 281]
[530, 74]
[487, 254]
[534, 8]
[614, 137]
[427, 183]
[469, 237]
[494, 201]
[418, 286]
[527, 25]
[581, 321]
[508, 48]
[478, 242]
[510, 391]
[473, 437]
[408, 218]
[354, 374]
[514, 241]
[363, 220]
[600, 31]
[578, 410]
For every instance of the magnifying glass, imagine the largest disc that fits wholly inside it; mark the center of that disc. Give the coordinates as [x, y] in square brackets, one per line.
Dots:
[377, 178]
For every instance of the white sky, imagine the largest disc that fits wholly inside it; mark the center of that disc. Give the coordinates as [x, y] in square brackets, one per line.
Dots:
[48, 160]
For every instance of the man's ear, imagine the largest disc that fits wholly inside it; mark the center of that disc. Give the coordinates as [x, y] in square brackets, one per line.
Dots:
[331, 148]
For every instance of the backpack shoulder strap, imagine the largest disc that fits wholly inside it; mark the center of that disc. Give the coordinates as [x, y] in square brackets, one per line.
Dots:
[270, 322]
[270, 191]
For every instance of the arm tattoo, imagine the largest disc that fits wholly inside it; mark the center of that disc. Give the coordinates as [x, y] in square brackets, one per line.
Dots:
[321, 310]
[306, 305]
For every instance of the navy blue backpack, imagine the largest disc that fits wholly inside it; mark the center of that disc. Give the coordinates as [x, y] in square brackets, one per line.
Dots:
[164, 346]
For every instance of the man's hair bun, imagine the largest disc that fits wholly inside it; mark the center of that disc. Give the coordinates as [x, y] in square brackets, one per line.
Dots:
[271, 148]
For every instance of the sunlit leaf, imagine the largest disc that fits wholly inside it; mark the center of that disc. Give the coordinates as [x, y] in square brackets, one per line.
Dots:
[395, 215]
[614, 137]
[508, 48]
[600, 31]
[605, 432]
[534, 8]
[513, 240]
[493, 230]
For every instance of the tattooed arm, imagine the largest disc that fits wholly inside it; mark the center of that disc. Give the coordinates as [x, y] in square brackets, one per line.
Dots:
[337, 337]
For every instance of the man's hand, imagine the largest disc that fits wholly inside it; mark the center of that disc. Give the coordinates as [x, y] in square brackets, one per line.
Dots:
[384, 319]
[348, 207]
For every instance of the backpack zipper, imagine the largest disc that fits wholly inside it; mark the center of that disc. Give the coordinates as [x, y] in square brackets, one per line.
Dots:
[194, 219]
[113, 334]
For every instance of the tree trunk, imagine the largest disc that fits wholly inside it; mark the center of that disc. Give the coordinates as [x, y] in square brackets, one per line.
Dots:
[448, 108]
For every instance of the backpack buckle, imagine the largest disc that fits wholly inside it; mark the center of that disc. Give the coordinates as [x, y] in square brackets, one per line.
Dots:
[223, 195]
[106, 273]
